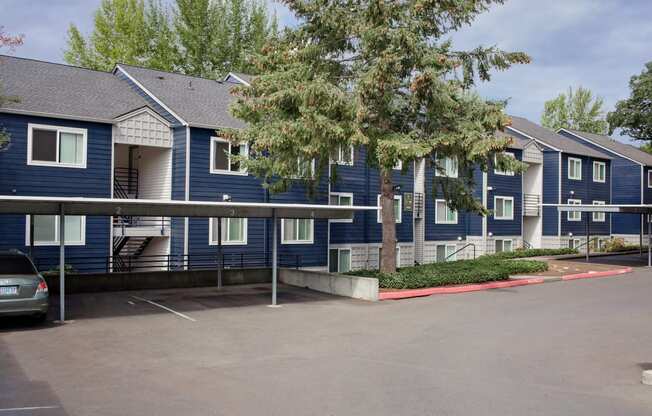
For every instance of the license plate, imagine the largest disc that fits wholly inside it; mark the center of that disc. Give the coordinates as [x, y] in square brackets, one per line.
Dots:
[8, 290]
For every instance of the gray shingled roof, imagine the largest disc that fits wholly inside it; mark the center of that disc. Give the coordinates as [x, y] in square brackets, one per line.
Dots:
[624, 149]
[200, 102]
[65, 91]
[517, 142]
[553, 139]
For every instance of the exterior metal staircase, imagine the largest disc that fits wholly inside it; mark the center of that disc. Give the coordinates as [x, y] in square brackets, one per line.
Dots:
[126, 251]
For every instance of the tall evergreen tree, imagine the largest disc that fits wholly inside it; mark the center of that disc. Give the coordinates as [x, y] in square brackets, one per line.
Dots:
[10, 42]
[379, 74]
[578, 110]
[634, 114]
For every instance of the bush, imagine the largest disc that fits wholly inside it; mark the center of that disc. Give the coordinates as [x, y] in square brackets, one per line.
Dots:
[481, 270]
[532, 252]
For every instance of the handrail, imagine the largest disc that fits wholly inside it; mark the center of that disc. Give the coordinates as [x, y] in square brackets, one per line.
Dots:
[465, 246]
[527, 245]
[587, 242]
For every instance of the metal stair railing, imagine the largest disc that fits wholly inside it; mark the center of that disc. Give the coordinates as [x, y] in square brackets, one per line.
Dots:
[464, 247]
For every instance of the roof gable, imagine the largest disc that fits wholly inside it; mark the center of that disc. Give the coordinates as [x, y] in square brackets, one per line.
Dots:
[617, 148]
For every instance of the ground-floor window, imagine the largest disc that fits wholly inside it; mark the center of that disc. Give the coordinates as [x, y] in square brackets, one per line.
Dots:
[339, 260]
[297, 231]
[46, 230]
[398, 256]
[504, 245]
[234, 231]
[574, 243]
[446, 252]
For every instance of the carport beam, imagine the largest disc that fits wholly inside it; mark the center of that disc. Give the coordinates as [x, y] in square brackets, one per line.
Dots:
[274, 257]
[62, 265]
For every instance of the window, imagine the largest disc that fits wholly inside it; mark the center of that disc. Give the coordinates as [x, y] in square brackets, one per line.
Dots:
[599, 172]
[399, 165]
[343, 155]
[503, 208]
[504, 172]
[398, 255]
[445, 252]
[574, 243]
[222, 152]
[56, 146]
[398, 204]
[504, 246]
[574, 169]
[46, 230]
[447, 167]
[339, 260]
[297, 231]
[234, 231]
[598, 216]
[574, 215]
[444, 214]
[649, 178]
[342, 199]
[305, 168]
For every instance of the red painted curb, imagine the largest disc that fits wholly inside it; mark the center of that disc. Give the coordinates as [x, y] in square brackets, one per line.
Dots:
[590, 275]
[405, 294]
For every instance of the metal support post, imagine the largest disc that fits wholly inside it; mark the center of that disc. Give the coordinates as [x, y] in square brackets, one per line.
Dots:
[62, 265]
[274, 257]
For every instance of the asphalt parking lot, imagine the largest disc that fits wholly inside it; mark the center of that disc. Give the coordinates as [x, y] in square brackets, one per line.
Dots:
[553, 349]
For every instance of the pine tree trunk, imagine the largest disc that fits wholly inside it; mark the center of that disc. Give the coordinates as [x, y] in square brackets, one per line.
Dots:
[388, 258]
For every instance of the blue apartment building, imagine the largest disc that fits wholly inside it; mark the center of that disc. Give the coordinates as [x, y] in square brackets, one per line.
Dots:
[146, 134]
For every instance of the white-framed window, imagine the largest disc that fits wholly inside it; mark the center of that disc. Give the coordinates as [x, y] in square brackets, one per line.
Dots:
[297, 231]
[46, 230]
[599, 216]
[342, 199]
[339, 260]
[398, 209]
[343, 155]
[504, 172]
[398, 165]
[443, 213]
[574, 168]
[222, 156]
[444, 252]
[447, 166]
[503, 208]
[234, 231]
[305, 168]
[504, 245]
[649, 178]
[398, 255]
[574, 243]
[599, 172]
[56, 146]
[574, 215]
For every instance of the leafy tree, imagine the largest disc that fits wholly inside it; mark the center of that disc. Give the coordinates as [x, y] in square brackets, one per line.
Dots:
[379, 74]
[10, 42]
[200, 37]
[647, 147]
[634, 115]
[578, 110]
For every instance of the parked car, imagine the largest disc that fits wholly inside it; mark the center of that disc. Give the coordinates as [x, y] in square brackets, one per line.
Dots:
[23, 291]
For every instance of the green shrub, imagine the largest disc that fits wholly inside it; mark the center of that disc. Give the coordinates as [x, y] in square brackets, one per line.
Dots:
[481, 270]
[532, 252]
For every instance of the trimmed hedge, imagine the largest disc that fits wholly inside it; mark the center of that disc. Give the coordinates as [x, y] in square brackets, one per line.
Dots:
[481, 270]
[532, 252]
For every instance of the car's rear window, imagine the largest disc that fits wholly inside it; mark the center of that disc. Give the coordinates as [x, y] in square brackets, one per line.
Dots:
[15, 265]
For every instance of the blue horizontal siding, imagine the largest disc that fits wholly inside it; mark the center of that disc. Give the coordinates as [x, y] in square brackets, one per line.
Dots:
[505, 186]
[441, 232]
[550, 192]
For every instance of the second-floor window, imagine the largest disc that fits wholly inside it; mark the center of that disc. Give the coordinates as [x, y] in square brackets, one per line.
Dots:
[444, 214]
[599, 172]
[398, 202]
[234, 231]
[343, 155]
[446, 166]
[574, 168]
[599, 216]
[342, 199]
[223, 154]
[498, 171]
[503, 208]
[574, 215]
[56, 146]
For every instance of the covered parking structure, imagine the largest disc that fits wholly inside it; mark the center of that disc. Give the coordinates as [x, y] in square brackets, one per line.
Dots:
[644, 211]
[62, 206]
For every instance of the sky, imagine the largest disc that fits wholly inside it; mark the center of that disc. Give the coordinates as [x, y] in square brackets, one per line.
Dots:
[598, 44]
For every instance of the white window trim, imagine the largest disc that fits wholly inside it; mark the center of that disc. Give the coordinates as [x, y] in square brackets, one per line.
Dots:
[399, 219]
[398, 166]
[576, 243]
[286, 241]
[574, 159]
[340, 249]
[437, 201]
[604, 166]
[56, 233]
[338, 194]
[503, 240]
[505, 198]
[649, 178]
[312, 169]
[212, 159]
[212, 242]
[340, 161]
[445, 173]
[59, 130]
[602, 215]
[507, 172]
[571, 214]
[453, 248]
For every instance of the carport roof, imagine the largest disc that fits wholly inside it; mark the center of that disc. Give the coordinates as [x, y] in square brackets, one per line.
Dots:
[625, 208]
[42, 205]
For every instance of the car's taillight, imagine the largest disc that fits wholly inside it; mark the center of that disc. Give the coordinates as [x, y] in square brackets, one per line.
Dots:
[42, 287]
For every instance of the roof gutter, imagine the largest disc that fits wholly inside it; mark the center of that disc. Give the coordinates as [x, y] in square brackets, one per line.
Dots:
[600, 146]
[56, 115]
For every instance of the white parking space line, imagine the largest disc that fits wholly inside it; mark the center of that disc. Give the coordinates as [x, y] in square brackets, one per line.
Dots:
[26, 409]
[179, 314]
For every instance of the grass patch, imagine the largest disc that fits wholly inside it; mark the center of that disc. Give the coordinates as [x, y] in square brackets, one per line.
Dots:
[532, 252]
[481, 270]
